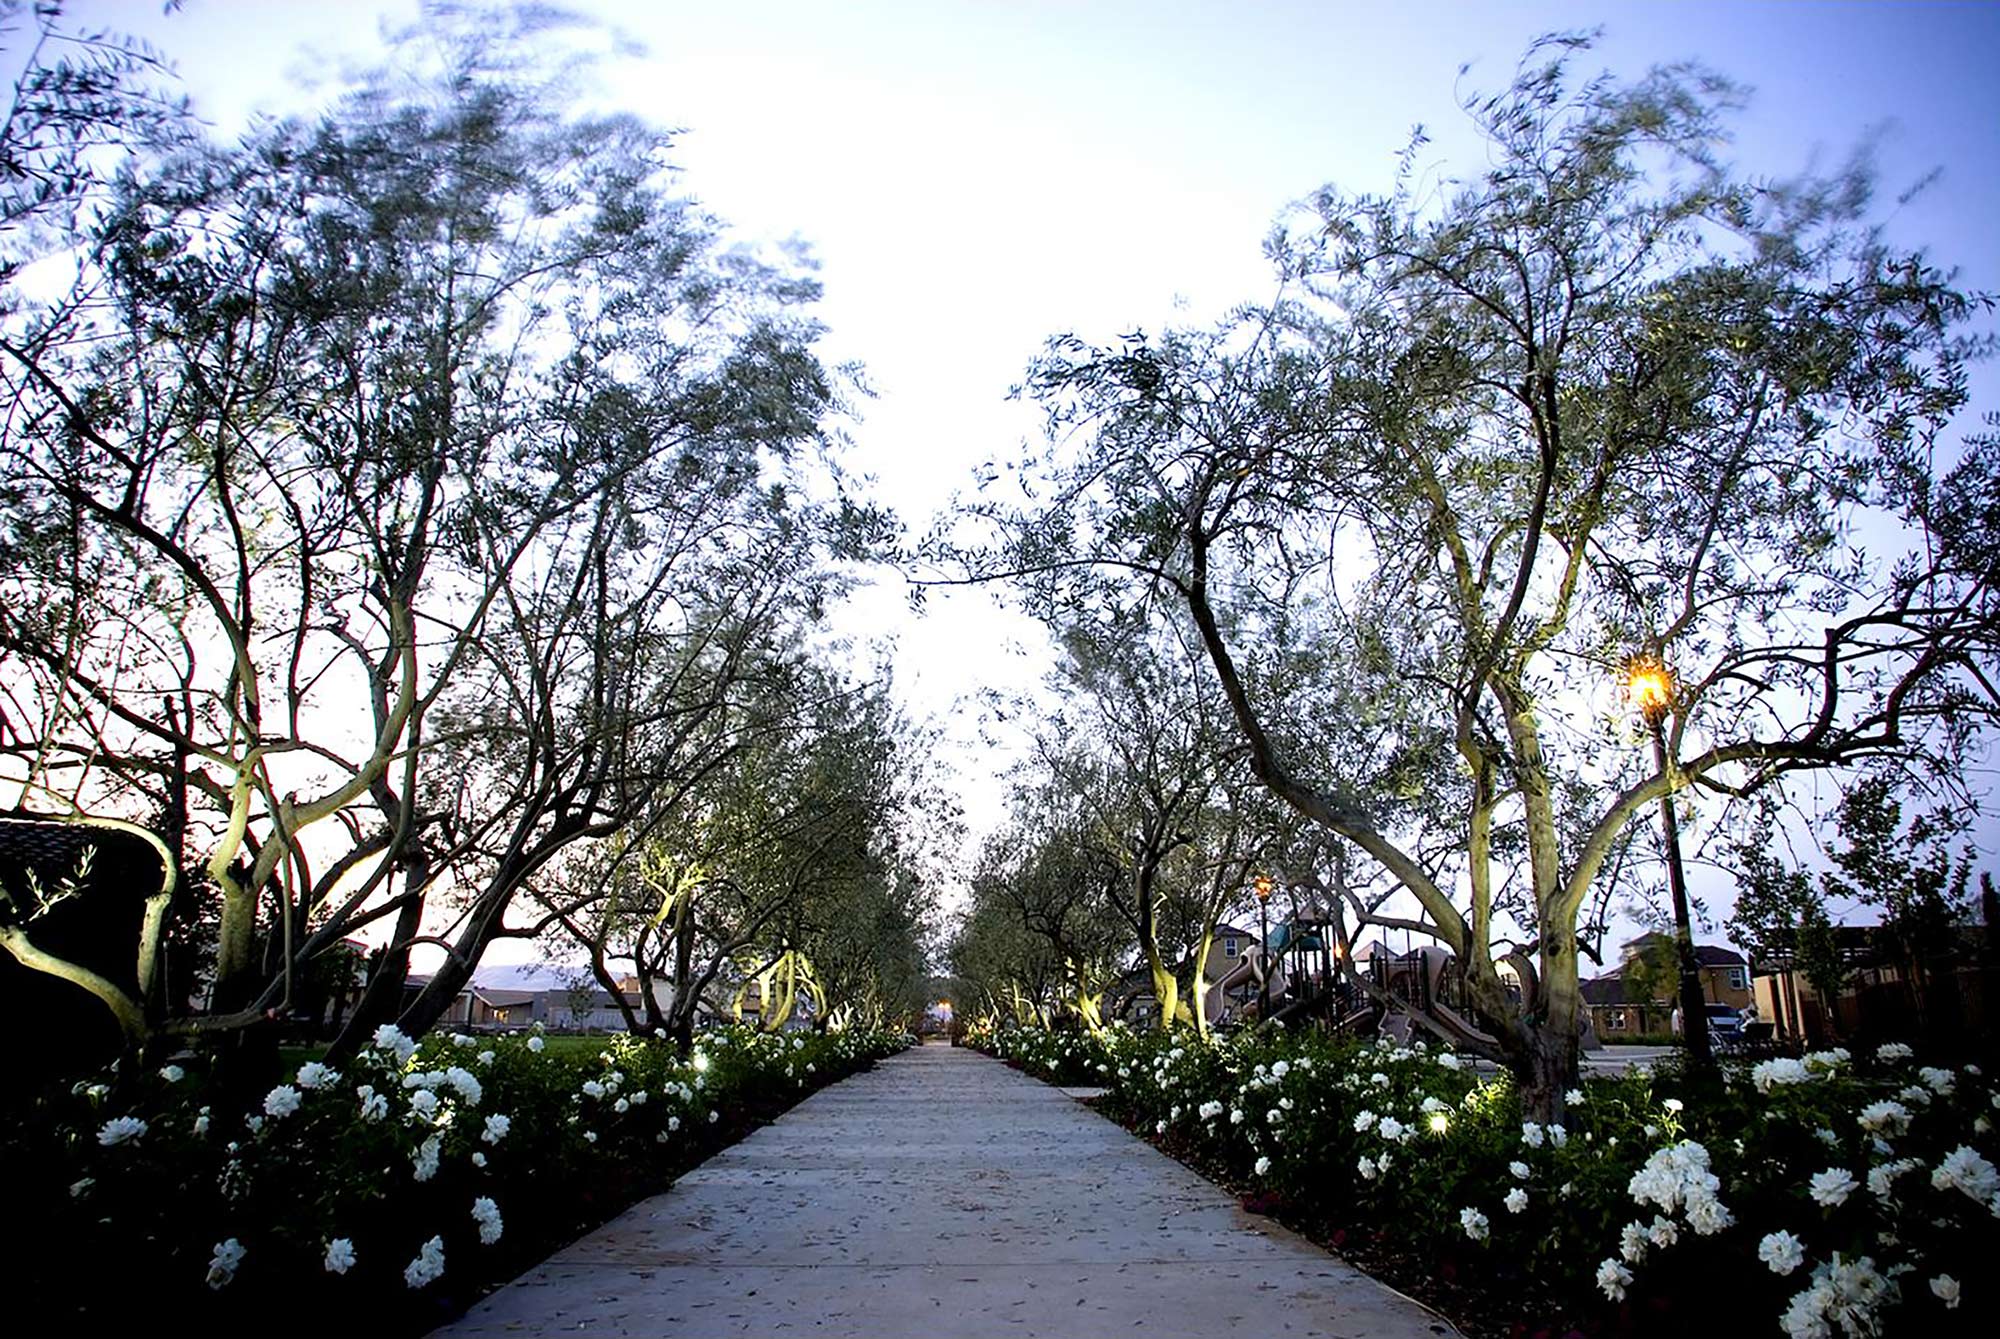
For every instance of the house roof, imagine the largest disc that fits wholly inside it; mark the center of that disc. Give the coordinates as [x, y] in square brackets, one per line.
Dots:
[1607, 989]
[504, 997]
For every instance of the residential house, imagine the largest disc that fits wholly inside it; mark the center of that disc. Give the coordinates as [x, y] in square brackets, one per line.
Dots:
[1614, 1009]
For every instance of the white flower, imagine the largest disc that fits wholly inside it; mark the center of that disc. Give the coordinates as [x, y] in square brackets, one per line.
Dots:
[1447, 1060]
[1159, 1127]
[487, 1214]
[1677, 1177]
[423, 1103]
[621, 1106]
[1517, 1200]
[486, 1057]
[1531, 1134]
[1892, 1050]
[1361, 1122]
[1831, 1187]
[467, 1085]
[389, 1037]
[478, 1158]
[1282, 1068]
[1782, 1251]
[592, 1088]
[425, 1164]
[1664, 1232]
[312, 1074]
[590, 1136]
[222, 1265]
[1519, 1170]
[1674, 1104]
[1613, 1278]
[1892, 1117]
[535, 1044]
[1558, 1135]
[1263, 1166]
[497, 1126]
[1940, 1080]
[374, 1106]
[1709, 1216]
[1916, 1095]
[1391, 1128]
[253, 1123]
[1772, 1073]
[201, 1122]
[172, 1073]
[1962, 1169]
[1945, 1287]
[1366, 1166]
[1574, 1097]
[1236, 1115]
[119, 1129]
[1632, 1242]
[714, 1116]
[673, 1122]
[1474, 1223]
[281, 1101]
[428, 1265]
[339, 1255]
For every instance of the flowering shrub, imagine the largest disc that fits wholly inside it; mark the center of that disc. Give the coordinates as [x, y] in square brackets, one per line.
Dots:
[392, 1189]
[1836, 1196]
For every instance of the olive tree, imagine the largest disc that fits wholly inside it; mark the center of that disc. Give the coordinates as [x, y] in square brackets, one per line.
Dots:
[1599, 398]
[394, 499]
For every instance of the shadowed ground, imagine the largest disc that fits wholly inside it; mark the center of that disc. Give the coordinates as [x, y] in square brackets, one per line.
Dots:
[941, 1195]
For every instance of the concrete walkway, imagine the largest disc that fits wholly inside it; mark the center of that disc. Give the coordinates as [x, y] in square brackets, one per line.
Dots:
[940, 1195]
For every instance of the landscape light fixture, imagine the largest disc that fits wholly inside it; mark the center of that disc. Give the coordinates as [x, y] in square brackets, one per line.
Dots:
[1649, 686]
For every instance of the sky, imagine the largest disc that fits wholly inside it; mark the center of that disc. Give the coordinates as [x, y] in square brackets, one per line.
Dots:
[975, 177]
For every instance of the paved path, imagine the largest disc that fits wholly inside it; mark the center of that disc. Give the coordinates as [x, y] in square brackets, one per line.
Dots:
[940, 1195]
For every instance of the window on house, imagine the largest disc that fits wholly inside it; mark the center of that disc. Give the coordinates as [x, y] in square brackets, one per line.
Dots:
[1614, 1020]
[1739, 978]
[1229, 946]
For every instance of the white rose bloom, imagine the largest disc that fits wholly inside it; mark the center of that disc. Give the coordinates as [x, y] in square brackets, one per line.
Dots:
[428, 1267]
[1782, 1251]
[222, 1265]
[119, 1130]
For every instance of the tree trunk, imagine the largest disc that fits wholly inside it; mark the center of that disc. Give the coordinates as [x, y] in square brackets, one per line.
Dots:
[382, 998]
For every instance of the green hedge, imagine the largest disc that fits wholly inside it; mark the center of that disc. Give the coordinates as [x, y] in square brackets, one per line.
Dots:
[382, 1199]
[1835, 1195]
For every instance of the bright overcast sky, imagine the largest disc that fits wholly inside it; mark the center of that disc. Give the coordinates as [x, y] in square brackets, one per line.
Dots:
[977, 176]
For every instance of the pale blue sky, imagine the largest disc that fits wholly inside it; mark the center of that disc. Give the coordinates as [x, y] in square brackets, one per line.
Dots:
[977, 176]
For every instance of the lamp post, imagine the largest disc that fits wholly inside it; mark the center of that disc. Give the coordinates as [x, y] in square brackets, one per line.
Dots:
[1264, 946]
[1650, 686]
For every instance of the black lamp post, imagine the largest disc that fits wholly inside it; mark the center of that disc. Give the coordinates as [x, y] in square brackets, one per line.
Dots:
[1264, 946]
[1650, 684]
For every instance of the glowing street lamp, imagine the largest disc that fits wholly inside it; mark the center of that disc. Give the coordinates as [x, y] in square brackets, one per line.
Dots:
[1264, 946]
[1649, 685]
